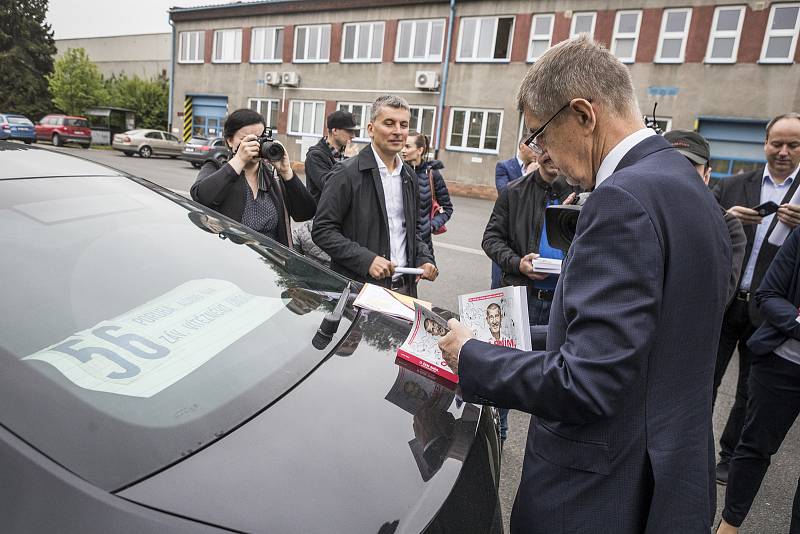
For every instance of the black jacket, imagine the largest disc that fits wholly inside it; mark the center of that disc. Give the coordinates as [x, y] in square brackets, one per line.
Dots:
[515, 226]
[351, 224]
[319, 162]
[745, 190]
[426, 199]
[221, 189]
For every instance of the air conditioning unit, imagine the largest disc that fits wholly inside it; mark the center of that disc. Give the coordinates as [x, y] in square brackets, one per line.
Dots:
[292, 79]
[272, 78]
[427, 79]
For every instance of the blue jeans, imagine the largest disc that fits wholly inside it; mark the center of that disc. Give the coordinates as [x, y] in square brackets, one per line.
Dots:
[538, 313]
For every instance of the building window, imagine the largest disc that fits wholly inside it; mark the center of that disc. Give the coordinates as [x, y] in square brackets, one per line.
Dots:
[674, 29]
[190, 47]
[781, 37]
[541, 36]
[227, 46]
[420, 41]
[726, 28]
[583, 23]
[361, 114]
[485, 39]
[474, 130]
[306, 117]
[362, 42]
[626, 35]
[266, 45]
[312, 44]
[423, 120]
[268, 108]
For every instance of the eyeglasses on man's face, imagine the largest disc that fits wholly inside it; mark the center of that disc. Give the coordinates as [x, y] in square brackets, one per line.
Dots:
[532, 142]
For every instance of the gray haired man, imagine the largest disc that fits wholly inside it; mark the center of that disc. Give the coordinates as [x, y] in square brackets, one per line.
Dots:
[622, 439]
[368, 216]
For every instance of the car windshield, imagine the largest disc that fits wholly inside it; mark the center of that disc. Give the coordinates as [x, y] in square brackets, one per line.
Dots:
[138, 328]
[198, 140]
[19, 120]
[78, 123]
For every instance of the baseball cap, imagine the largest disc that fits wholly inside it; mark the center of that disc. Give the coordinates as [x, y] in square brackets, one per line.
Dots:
[343, 120]
[690, 144]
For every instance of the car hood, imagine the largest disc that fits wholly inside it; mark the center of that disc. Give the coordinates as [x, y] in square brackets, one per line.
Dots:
[363, 444]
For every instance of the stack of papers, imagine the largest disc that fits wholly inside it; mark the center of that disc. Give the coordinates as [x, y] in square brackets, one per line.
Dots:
[547, 265]
[386, 301]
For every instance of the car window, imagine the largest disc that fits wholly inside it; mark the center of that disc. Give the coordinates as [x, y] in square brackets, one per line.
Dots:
[172, 138]
[152, 135]
[20, 120]
[136, 340]
[219, 143]
[78, 123]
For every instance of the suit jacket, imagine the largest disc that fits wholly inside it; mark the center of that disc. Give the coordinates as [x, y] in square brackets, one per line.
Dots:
[506, 171]
[622, 440]
[778, 298]
[745, 190]
[351, 224]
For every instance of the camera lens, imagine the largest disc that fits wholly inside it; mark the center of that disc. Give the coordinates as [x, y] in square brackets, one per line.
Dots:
[271, 151]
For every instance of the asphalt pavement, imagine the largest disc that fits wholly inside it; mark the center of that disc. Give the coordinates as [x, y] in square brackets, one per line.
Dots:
[464, 269]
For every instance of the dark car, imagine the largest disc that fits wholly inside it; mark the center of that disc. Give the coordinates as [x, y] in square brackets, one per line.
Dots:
[61, 129]
[200, 149]
[17, 127]
[162, 371]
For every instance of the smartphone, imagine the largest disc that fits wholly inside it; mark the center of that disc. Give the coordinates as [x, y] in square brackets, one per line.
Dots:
[767, 208]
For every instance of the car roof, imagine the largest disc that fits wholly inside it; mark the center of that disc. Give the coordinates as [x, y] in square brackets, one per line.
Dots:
[23, 161]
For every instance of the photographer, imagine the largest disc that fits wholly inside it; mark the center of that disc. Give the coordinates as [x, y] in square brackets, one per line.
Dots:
[246, 189]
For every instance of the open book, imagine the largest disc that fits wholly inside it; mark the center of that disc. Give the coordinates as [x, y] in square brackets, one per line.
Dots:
[498, 316]
[421, 347]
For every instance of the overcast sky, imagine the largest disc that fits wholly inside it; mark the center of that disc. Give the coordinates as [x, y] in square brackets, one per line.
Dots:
[101, 18]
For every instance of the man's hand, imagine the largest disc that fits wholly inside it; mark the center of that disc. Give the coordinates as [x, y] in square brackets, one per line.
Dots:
[430, 272]
[745, 215]
[789, 214]
[451, 343]
[526, 267]
[381, 268]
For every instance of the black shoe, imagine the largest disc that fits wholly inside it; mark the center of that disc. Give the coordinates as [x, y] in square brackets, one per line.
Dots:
[722, 472]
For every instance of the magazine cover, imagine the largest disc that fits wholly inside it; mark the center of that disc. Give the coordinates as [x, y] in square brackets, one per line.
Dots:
[421, 347]
[498, 316]
[414, 388]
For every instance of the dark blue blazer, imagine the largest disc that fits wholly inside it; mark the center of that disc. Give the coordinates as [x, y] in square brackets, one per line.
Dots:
[778, 298]
[621, 441]
[506, 171]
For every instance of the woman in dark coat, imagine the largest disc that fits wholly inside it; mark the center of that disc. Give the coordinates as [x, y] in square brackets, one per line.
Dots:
[414, 153]
[247, 189]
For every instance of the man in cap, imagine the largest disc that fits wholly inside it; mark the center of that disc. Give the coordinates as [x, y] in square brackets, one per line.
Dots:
[695, 148]
[321, 158]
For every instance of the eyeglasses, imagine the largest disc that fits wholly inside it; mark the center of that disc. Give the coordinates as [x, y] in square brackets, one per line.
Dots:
[531, 143]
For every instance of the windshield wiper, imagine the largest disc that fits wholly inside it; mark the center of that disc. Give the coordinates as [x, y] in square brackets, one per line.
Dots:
[330, 323]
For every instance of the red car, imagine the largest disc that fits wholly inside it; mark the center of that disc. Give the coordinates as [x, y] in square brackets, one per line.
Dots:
[61, 129]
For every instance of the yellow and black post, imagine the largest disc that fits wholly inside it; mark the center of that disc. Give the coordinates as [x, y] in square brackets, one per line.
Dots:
[187, 119]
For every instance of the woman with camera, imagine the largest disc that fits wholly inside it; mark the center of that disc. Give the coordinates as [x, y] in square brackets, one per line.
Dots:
[246, 188]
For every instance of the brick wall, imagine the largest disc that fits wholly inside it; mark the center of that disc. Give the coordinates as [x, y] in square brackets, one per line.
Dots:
[697, 42]
[288, 44]
[389, 40]
[754, 27]
[209, 46]
[604, 27]
[522, 31]
[648, 35]
[336, 42]
[246, 35]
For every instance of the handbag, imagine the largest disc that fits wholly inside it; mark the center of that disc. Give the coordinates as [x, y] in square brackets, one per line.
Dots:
[435, 207]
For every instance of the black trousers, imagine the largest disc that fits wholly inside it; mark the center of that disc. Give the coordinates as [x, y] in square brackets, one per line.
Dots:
[771, 410]
[736, 330]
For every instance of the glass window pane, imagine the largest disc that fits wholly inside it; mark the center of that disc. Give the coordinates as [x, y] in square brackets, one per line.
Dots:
[273, 114]
[254, 105]
[300, 44]
[492, 131]
[313, 43]
[405, 40]
[414, 119]
[740, 167]
[377, 41]
[427, 122]
[720, 166]
[539, 48]
[671, 49]
[583, 23]
[627, 23]
[474, 130]
[349, 42]
[258, 43]
[437, 39]
[779, 47]
[325, 43]
[308, 117]
[421, 39]
[728, 20]
[295, 121]
[319, 111]
[541, 26]
[468, 29]
[623, 48]
[676, 21]
[785, 18]
[486, 37]
[503, 41]
[362, 42]
[201, 43]
[722, 47]
[457, 128]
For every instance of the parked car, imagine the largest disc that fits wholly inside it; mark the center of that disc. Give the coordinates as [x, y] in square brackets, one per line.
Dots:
[61, 129]
[164, 380]
[200, 149]
[17, 127]
[147, 143]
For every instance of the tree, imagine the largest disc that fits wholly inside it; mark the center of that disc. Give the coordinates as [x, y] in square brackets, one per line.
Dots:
[76, 83]
[148, 98]
[26, 57]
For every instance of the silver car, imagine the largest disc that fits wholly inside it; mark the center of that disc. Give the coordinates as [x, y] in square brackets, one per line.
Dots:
[147, 143]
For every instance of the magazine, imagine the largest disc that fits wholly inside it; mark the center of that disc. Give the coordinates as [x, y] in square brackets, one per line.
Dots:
[498, 316]
[421, 347]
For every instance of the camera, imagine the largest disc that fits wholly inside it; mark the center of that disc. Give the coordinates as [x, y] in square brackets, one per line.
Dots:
[270, 149]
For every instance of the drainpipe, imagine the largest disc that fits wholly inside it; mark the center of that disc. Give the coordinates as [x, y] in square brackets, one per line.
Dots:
[171, 76]
[445, 73]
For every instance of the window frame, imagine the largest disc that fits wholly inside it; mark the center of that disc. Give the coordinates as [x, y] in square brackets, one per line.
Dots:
[780, 33]
[237, 45]
[575, 16]
[662, 35]
[260, 104]
[291, 132]
[276, 52]
[413, 23]
[372, 24]
[552, 16]
[200, 46]
[464, 135]
[725, 34]
[422, 108]
[460, 59]
[321, 27]
[620, 35]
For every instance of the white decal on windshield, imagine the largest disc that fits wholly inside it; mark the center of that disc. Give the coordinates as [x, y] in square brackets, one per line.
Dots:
[149, 348]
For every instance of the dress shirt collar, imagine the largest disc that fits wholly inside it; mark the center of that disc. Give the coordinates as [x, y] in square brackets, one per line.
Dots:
[612, 159]
[521, 165]
[384, 170]
[788, 181]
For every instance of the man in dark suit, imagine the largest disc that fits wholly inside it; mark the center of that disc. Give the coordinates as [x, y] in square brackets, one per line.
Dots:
[621, 441]
[368, 215]
[776, 182]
